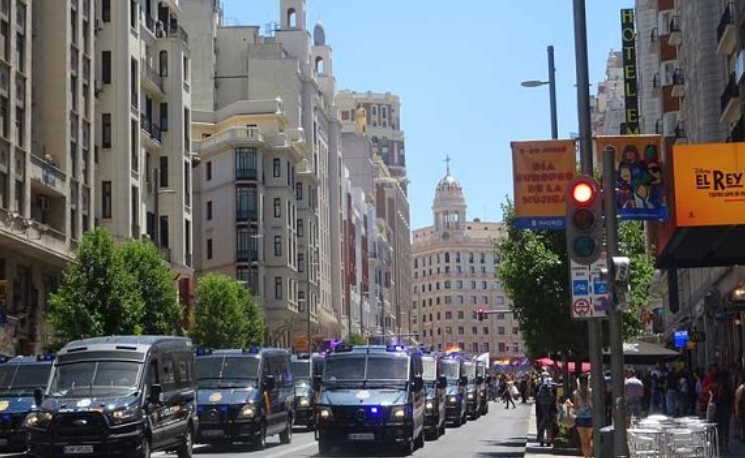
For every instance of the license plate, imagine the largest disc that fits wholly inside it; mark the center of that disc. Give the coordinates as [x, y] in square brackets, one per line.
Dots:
[3, 442]
[78, 449]
[362, 437]
[213, 433]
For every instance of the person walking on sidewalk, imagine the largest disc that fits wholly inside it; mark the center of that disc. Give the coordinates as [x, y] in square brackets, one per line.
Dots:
[582, 403]
[508, 394]
[723, 397]
[545, 404]
[634, 393]
[740, 408]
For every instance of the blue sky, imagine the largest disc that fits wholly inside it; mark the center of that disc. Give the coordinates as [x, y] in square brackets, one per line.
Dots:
[457, 67]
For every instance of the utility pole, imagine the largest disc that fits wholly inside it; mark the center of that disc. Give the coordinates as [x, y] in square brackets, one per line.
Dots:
[585, 142]
[614, 312]
[552, 92]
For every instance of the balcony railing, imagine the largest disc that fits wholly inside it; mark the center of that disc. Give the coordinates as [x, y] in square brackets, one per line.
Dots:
[176, 31]
[246, 215]
[725, 21]
[730, 92]
[247, 255]
[151, 128]
[246, 174]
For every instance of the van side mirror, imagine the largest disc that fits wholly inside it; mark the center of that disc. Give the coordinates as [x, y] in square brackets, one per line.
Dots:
[156, 394]
[417, 383]
[442, 382]
[38, 397]
[268, 383]
[463, 380]
[316, 383]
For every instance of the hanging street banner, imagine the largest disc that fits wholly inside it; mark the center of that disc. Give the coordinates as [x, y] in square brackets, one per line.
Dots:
[640, 184]
[541, 172]
[590, 295]
[631, 97]
[709, 184]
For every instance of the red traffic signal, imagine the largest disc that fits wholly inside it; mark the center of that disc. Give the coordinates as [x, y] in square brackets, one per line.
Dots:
[583, 193]
[584, 219]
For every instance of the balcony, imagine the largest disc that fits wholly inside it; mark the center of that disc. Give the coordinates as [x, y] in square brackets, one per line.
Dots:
[151, 79]
[678, 83]
[229, 138]
[153, 134]
[248, 174]
[48, 174]
[727, 32]
[676, 36]
[246, 216]
[247, 256]
[730, 102]
[176, 31]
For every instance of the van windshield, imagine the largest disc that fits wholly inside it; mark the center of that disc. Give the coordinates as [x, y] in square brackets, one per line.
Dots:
[450, 370]
[95, 378]
[300, 369]
[226, 371]
[361, 368]
[21, 380]
[429, 370]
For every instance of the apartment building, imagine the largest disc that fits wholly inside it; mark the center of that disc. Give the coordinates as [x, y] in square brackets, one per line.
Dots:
[454, 275]
[247, 67]
[607, 105]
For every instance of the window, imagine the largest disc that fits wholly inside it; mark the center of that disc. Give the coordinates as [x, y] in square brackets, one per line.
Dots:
[164, 231]
[485, 300]
[470, 258]
[187, 129]
[500, 330]
[277, 245]
[483, 285]
[474, 300]
[134, 133]
[106, 201]
[448, 315]
[461, 315]
[163, 63]
[21, 52]
[245, 163]
[106, 67]
[277, 207]
[133, 13]
[164, 171]
[502, 347]
[276, 168]
[209, 170]
[278, 288]
[301, 262]
[106, 10]
[209, 210]
[499, 300]
[461, 330]
[486, 330]
[163, 117]
[437, 301]
[300, 227]
[209, 248]
[473, 285]
[516, 347]
[186, 68]
[515, 330]
[134, 83]
[482, 258]
[298, 191]
[460, 300]
[447, 257]
[500, 316]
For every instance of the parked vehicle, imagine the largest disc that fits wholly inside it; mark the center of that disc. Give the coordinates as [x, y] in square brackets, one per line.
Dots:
[19, 377]
[304, 367]
[117, 396]
[452, 369]
[371, 394]
[472, 389]
[435, 385]
[244, 395]
[482, 383]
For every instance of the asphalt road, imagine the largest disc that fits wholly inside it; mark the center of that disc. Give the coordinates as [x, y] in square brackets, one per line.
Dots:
[500, 434]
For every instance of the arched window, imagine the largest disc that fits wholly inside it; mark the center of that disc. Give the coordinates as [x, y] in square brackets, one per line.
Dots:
[320, 66]
[291, 17]
[163, 63]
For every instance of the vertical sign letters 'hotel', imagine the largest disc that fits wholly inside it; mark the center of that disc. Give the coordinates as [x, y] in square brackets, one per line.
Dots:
[628, 34]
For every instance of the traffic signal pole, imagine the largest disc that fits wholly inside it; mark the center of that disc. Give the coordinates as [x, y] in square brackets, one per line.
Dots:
[585, 151]
[614, 312]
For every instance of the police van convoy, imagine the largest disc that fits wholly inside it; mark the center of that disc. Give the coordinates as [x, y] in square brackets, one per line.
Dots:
[117, 396]
[304, 367]
[371, 394]
[244, 395]
[19, 377]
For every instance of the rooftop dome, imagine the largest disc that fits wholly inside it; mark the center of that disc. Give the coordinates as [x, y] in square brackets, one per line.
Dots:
[449, 192]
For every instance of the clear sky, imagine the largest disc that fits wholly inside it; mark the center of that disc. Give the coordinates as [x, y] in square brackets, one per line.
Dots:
[457, 66]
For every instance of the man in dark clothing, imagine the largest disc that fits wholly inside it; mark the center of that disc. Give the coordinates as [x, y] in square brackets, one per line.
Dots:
[523, 387]
[545, 402]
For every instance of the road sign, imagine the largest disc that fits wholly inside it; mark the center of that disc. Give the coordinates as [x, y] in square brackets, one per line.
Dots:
[580, 288]
[582, 308]
[590, 298]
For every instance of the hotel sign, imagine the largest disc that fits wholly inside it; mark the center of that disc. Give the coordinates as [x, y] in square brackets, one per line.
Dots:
[628, 38]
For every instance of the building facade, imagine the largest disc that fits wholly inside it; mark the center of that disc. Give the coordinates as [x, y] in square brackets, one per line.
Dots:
[607, 106]
[454, 275]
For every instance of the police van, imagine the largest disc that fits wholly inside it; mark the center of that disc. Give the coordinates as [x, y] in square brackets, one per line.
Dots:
[304, 367]
[451, 367]
[472, 389]
[117, 396]
[482, 383]
[434, 407]
[244, 395]
[371, 394]
[19, 378]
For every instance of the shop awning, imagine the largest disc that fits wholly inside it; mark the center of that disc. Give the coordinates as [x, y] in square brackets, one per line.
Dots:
[638, 352]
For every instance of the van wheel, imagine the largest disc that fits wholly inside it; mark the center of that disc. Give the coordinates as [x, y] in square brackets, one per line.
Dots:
[260, 441]
[285, 436]
[186, 448]
[408, 447]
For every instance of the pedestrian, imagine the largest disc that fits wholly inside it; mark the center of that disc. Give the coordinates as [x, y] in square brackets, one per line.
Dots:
[634, 393]
[545, 403]
[723, 396]
[508, 394]
[671, 394]
[524, 389]
[740, 408]
[582, 404]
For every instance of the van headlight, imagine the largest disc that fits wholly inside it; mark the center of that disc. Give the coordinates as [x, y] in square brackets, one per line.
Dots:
[452, 399]
[39, 419]
[247, 411]
[303, 402]
[429, 405]
[470, 396]
[324, 413]
[398, 413]
[126, 414]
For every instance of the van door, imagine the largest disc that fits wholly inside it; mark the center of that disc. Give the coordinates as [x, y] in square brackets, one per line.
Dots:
[152, 410]
[418, 397]
[170, 425]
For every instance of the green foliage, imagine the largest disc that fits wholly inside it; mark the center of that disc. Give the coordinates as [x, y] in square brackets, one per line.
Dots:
[98, 295]
[535, 274]
[226, 316]
[356, 339]
[632, 243]
[162, 314]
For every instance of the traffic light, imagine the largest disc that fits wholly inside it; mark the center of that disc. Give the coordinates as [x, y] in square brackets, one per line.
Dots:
[584, 220]
[481, 315]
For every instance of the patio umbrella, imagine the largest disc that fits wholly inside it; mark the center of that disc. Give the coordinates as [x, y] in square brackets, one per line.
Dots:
[543, 362]
[645, 353]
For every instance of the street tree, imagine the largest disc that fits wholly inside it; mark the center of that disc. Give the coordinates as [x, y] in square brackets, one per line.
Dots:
[227, 315]
[98, 294]
[633, 243]
[163, 313]
[356, 339]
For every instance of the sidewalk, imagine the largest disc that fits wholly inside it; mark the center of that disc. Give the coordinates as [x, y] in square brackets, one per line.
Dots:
[533, 450]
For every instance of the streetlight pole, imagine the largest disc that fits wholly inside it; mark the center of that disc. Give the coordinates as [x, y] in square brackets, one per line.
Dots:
[552, 92]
